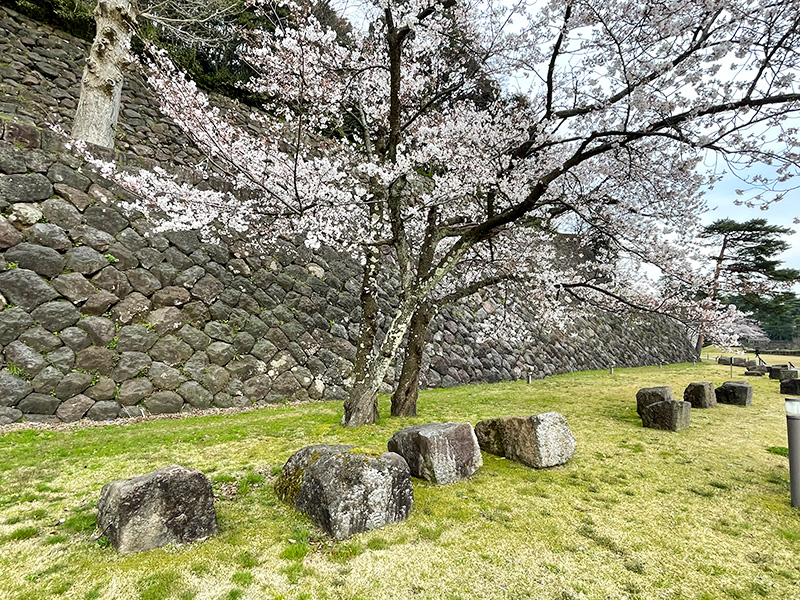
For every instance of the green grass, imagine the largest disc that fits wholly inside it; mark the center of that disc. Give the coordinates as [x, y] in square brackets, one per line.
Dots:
[637, 514]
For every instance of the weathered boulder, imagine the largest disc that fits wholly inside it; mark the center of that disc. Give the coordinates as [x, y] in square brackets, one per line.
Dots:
[347, 490]
[668, 415]
[651, 395]
[171, 505]
[538, 441]
[735, 392]
[700, 395]
[441, 453]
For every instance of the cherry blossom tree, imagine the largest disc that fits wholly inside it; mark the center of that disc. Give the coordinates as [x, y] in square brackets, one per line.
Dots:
[376, 144]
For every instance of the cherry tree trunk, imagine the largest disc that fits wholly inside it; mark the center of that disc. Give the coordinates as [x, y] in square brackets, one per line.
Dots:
[404, 399]
[361, 407]
[101, 85]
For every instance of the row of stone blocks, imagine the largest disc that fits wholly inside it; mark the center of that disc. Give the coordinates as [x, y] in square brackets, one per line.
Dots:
[345, 490]
[659, 410]
[780, 372]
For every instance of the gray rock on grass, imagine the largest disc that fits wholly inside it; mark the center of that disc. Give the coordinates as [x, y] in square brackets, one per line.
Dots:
[790, 387]
[347, 490]
[700, 395]
[651, 395]
[667, 415]
[739, 393]
[538, 441]
[171, 505]
[441, 453]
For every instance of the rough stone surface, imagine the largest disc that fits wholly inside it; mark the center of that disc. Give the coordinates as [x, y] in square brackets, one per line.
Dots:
[171, 505]
[788, 386]
[9, 415]
[12, 389]
[75, 408]
[700, 395]
[347, 490]
[25, 288]
[164, 402]
[441, 453]
[647, 396]
[25, 357]
[538, 441]
[104, 410]
[739, 393]
[55, 316]
[39, 259]
[669, 415]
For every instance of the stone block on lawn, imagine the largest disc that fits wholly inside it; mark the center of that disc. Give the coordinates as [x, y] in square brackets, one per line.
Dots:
[790, 387]
[538, 441]
[667, 415]
[647, 396]
[775, 371]
[347, 490]
[735, 392]
[441, 453]
[700, 395]
[171, 505]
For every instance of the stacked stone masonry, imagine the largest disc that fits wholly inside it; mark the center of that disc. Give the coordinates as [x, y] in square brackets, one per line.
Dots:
[101, 317]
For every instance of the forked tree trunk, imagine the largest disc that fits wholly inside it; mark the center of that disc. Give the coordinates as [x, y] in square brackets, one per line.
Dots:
[404, 399]
[361, 407]
[101, 85]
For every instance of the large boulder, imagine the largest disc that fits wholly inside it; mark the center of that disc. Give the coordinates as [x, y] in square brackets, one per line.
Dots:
[538, 441]
[441, 453]
[171, 505]
[668, 415]
[651, 395]
[735, 392]
[700, 395]
[347, 490]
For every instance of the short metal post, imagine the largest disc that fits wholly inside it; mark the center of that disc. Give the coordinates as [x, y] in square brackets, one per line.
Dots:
[793, 433]
[731, 368]
[530, 377]
[611, 370]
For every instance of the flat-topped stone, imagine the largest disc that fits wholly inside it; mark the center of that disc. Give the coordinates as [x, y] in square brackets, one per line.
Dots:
[739, 393]
[790, 387]
[537, 441]
[700, 394]
[651, 395]
[347, 490]
[441, 453]
[171, 505]
[668, 415]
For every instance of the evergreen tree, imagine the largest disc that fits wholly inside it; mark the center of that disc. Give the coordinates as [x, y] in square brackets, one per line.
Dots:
[746, 264]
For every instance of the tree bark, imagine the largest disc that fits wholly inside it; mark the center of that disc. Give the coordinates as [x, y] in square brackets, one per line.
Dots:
[101, 85]
[361, 407]
[404, 399]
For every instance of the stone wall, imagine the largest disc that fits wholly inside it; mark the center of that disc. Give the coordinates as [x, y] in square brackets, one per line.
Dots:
[102, 317]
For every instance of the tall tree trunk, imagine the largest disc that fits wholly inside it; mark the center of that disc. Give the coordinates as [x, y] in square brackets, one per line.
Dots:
[404, 399]
[101, 85]
[361, 407]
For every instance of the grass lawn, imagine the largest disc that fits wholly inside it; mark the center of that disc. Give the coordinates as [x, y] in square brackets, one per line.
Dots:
[639, 514]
